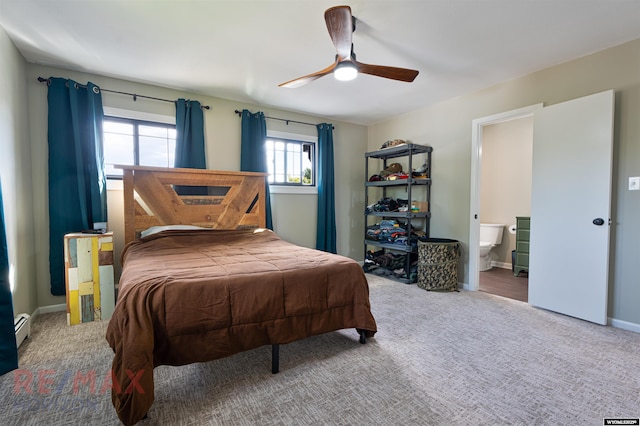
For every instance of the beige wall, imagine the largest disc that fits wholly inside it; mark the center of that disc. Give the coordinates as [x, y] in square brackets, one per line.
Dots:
[15, 173]
[447, 127]
[505, 178]
[294, 215]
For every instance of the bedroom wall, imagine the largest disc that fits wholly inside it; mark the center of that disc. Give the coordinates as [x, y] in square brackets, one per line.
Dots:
[15, 173]
[294, 215]
[447, 127]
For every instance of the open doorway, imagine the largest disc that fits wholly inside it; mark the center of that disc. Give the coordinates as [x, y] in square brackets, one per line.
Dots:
[572, 144]
[505, 194]
[500, 191]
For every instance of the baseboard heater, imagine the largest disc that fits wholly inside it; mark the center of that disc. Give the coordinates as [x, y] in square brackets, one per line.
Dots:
[23, 328]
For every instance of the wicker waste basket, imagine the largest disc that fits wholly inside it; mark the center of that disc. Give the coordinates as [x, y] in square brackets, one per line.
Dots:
[438, 264]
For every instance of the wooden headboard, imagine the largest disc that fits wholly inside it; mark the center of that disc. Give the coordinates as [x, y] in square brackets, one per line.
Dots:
[234, 200]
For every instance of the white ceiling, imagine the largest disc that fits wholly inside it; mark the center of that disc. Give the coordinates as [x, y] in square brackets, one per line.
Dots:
[241, 50]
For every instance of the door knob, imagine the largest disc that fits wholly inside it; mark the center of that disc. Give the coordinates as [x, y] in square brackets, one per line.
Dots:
[598, 221]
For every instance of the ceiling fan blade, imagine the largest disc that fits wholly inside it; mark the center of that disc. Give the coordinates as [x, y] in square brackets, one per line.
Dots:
[400, 74]
[301, 81]
[340, 25]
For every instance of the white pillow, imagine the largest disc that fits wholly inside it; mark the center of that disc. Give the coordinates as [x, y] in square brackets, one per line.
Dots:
[156, 229]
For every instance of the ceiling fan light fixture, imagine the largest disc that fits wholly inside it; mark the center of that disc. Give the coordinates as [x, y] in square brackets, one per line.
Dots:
[345, 71]
[341, 24]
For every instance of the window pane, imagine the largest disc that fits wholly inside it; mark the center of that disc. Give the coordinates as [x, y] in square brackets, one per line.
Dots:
[293, 147]
[118, 146]
[293, 163]
[117, 127]
[133, 142]
[153, 151]
[307, 164]
[157, 131]
[290, 162]
[270, 160]
[279, 172]
[172, 152]
[279, 163]
[156, 149]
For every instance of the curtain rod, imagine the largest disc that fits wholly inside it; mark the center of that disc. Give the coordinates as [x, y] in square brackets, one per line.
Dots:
[134, 95]
[283, 119]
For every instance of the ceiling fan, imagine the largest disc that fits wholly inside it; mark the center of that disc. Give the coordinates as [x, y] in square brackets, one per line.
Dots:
[341, 25]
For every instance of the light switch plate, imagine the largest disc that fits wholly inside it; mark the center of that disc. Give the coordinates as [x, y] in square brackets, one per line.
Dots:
[634, 183]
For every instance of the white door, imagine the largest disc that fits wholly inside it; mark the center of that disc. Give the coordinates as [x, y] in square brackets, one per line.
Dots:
[570, 207]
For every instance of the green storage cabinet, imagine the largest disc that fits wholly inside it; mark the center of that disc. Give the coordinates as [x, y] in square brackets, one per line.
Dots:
[523, 226]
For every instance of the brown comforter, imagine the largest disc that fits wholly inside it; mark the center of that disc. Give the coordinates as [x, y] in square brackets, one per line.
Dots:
[195, 296]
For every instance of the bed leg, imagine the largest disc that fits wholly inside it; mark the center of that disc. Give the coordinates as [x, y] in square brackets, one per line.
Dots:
[363, 336]
[275, 359]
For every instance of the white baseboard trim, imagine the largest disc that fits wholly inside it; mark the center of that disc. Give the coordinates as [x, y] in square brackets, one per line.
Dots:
[48, 309]
[34, 314]
[502, 265]
[51, 308]
[625, 325]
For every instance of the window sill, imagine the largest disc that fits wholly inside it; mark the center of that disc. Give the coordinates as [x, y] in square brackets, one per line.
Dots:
[282, 189]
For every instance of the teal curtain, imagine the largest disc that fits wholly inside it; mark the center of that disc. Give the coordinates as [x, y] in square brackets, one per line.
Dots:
[253, 156]
[190, 151]
[8, 349]
[326, 225]
[77, 182]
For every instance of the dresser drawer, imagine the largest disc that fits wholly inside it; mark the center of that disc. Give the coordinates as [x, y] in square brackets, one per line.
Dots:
[522, 234]
[522, 259]
[523, 222]
[522, 247]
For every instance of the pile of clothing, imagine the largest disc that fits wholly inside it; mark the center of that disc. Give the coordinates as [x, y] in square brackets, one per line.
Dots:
[387, 204]
[392, 143]
[392, 172]
[391, 265]
[387, 231]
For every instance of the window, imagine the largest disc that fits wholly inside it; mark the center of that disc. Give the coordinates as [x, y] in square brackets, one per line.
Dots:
[290, 162]
[137, 142]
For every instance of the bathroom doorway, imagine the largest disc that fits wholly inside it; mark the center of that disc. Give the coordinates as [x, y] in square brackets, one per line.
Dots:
[505, 193]
[561, 280]
[500, 191]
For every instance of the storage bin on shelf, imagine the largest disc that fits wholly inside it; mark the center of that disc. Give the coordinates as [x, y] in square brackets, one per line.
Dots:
[438, 264]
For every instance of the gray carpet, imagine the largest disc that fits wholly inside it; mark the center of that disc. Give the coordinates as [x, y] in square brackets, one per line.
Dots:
[465, 358]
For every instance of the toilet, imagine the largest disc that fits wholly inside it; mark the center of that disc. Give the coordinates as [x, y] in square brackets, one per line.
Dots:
[490, 236]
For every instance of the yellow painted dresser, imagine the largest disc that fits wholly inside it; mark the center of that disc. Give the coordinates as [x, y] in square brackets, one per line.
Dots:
[89, 279]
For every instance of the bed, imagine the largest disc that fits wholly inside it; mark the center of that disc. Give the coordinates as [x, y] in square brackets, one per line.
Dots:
[212, 282]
